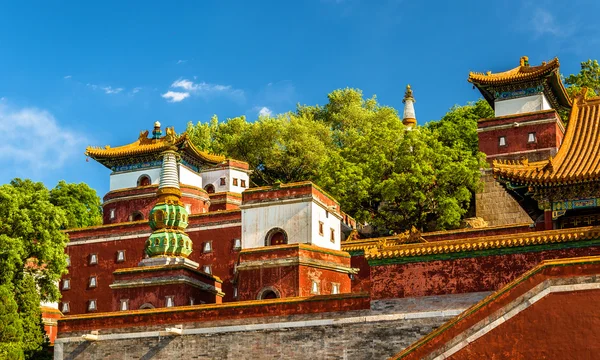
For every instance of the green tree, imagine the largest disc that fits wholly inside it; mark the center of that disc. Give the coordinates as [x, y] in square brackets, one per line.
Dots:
[356, 149]
[30, 231]
[11, 330]
[80, 202]
[28, 301]
[588, 76]
[287, 148]
[458, 127]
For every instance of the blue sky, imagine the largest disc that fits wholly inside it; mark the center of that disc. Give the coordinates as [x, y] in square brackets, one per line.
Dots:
[79, 74]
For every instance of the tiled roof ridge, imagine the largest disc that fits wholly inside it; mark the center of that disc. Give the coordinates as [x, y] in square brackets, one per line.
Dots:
[521, 72]
[482, 243]
[144, 144]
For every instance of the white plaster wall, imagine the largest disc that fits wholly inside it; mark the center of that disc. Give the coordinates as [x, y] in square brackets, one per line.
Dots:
[129, 179]
[214, 178]
[329, 222]
[293, 218]
[521, 105]
[189, 177]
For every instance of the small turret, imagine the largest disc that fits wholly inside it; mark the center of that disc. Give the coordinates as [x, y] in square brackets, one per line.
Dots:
[156, 133]
[408, 118]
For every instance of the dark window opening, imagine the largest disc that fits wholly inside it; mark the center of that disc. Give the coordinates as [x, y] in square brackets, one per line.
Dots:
[210, 188]
[144, 180]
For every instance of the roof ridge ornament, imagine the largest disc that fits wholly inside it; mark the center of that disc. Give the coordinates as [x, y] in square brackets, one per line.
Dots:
[524, 61]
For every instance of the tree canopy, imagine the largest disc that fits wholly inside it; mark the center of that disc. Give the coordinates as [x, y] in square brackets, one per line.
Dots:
[360, 152]
[32, 255]
[588, 76]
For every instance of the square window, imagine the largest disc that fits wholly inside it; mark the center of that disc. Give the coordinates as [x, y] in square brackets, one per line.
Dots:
[169, 302]
[335, 288]
[92, 282]
[321, 228]
[120, 255]
[93, 259]
[223, 182]
[502, 141]
[243, 183]
[332, 238]
[235, 182]
[531, 137]
[125, 305]
[65, 307]
[207, 269]
[314, 289]
[207, 247]
[66, 284]
[92, 305]
[235, 292]
[68, 259]
[237, 243]
[112, 214]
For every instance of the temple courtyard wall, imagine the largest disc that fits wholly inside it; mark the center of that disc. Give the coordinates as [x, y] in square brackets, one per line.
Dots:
[379, 332]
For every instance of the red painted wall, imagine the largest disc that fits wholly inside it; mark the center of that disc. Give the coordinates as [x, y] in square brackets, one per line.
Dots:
[124, 206]
[486, 273]
[225, 228]
[559, 326]
[549, 135]
[290, 280]
[156, 295]
[204, 313]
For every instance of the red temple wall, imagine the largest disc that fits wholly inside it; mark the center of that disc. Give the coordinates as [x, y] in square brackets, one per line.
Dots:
[285, 279]
[559, 326]
[485, 273]
[220, 231]
[516, 139]
[156, 295]
[362, 280]
[325, 278]
[205, 313]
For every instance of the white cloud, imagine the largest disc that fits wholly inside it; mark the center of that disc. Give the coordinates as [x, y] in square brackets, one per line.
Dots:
[181, 62]
[184, 84]
[264, 111]
[110, 90]
[68, 77]
[174, 96]
[36, 140]
[136, 90]
[543, 22]
[202, 89]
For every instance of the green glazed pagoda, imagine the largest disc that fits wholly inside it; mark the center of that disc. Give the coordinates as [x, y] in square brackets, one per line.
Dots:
[169, 218]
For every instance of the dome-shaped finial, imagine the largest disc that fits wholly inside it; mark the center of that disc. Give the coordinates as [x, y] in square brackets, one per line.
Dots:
[409, 119]
[156, 133]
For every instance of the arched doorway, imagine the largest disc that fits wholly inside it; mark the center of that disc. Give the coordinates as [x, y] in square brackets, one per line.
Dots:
[268, 292]
[276, 236]
[137, 216]
[210, 188]
[144, 180]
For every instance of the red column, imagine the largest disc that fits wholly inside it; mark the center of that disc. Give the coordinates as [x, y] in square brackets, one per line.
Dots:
[548, 219]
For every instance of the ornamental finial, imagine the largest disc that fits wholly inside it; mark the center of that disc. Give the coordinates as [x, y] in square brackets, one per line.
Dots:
[524, 61]
[156, 133]
[408, 94]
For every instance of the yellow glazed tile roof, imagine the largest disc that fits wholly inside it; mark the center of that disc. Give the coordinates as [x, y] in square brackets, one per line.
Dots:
[483, 243]
[523, 72]
[144, 145]
[577, 160]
